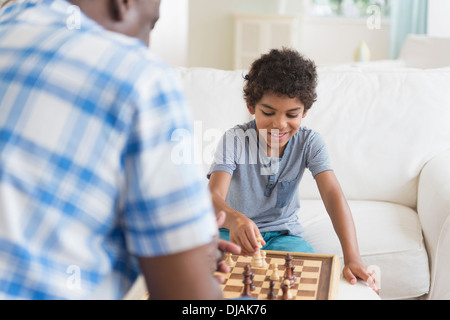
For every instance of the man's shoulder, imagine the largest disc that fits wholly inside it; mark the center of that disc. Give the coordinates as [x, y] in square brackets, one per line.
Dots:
[127, 63]
[122, 48]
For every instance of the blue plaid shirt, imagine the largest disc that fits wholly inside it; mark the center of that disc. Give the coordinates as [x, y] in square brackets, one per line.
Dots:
[86, 176]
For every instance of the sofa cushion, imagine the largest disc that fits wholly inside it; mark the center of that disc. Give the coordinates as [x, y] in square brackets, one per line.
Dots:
[422, 51]
[217, 102]
[389, 236]
[381, 127]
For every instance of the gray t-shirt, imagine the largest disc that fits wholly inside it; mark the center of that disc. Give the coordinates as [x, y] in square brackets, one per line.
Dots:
[266, 189]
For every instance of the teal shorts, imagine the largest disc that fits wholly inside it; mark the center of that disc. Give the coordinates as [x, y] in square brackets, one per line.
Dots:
[278, 241]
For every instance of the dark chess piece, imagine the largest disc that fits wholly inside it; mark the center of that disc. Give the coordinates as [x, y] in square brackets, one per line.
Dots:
[248, 282]
[252, 278]
[289, 270]
[271, 294]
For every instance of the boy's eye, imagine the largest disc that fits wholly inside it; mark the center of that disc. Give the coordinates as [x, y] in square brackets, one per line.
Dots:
[268, 114]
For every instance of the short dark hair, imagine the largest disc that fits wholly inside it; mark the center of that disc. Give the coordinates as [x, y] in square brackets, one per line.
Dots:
[284, 72]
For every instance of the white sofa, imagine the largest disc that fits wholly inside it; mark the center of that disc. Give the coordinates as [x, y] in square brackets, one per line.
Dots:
[388, 134]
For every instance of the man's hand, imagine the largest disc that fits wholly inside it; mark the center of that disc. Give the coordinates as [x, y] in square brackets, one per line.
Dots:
[224, 246]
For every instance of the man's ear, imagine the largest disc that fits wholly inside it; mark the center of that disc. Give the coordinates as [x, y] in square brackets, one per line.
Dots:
[118, 9]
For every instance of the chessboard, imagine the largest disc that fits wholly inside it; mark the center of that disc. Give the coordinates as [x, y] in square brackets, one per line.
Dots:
[311, 276]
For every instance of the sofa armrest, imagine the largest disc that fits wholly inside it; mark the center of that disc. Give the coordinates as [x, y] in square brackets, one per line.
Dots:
[433, 206]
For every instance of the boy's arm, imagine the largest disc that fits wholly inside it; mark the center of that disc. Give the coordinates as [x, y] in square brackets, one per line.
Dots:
[243, 231]
[341, 217]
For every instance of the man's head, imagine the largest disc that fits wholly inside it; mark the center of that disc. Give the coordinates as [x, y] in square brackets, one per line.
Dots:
[134, 18]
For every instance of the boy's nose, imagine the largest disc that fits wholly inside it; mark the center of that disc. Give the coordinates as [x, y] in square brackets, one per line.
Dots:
[279, 123]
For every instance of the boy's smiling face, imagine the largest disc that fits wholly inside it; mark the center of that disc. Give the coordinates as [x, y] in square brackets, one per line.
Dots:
[277, 118]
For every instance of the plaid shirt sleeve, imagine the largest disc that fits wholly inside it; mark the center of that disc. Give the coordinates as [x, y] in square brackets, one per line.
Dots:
[167, 206]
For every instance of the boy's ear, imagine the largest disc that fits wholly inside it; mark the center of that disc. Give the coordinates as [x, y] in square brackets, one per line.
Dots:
[305, 112]
[251, 109]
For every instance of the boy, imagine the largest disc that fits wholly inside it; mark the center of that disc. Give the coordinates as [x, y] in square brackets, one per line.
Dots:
[258, 165]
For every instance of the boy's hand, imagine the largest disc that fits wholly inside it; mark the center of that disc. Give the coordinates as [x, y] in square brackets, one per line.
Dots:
[357, 270]
[245, 233]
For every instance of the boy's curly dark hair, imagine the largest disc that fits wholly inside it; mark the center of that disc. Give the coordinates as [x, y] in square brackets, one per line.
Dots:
[284, 72]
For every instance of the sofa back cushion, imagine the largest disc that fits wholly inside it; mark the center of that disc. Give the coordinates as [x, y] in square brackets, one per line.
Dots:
[422, 51]
[381, 127]
[217, 103]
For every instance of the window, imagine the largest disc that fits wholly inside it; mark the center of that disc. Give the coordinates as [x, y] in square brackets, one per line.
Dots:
[349, 8]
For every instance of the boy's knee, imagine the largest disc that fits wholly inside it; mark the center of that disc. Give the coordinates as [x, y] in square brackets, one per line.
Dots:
[290, 244]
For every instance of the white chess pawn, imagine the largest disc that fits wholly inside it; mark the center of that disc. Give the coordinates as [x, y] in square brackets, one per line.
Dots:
[274, 276]
[257, 260]
[287, 283]
[260, 240]
[229, 260]
[263, 260]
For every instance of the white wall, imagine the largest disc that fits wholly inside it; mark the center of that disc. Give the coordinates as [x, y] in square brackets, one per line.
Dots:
[330, 41]
[438, 18]
[211, 33]
[326, 40]
[169, 39]
[200, 32]
[211, 28]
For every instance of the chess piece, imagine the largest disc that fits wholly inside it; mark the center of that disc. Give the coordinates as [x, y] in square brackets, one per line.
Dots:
[274, 276]
[271, 294]
[263, 260]
[229, 260]
[260, 240]
[289, 271]
[246, 292]
[252, 278]
[287, 295]
[257, 260]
